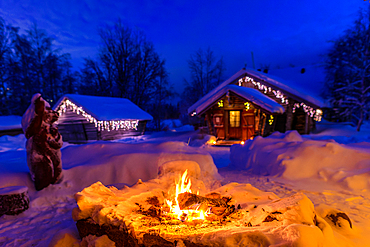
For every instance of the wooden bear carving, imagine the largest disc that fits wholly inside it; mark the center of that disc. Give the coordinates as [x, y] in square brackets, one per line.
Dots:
[43, 143]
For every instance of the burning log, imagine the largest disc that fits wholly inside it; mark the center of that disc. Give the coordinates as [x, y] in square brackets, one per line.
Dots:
[219, 205]
[188, 199]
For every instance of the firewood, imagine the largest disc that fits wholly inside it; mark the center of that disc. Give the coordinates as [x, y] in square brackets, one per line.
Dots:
[13, 200]
[218, 210]
[214, 195]
[186, 200]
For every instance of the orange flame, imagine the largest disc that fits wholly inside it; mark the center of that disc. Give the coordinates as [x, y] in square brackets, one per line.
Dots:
[182, 186]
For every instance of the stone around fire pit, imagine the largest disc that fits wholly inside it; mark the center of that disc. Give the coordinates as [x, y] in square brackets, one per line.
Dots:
[13, 200]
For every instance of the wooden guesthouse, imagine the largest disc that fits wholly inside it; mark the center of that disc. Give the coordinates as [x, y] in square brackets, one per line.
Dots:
[88, 118]
[252, 103]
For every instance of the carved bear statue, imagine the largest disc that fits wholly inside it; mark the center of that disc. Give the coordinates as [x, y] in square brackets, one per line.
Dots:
[43, 143]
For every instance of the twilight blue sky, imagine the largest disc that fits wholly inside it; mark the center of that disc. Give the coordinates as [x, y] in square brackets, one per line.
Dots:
[279, 33]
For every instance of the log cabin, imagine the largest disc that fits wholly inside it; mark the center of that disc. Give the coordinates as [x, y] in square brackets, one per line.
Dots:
[252, 103]
[85, 118]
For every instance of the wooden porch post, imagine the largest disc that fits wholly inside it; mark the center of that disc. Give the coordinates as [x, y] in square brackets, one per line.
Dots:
[289, 116]
[263, 123]
[226, 124]
[307, 124]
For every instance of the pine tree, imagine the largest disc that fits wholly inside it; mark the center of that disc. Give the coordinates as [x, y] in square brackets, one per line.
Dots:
[348, 72]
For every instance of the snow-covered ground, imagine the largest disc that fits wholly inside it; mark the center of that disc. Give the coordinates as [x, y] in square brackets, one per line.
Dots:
[331, 167]
[10, 122]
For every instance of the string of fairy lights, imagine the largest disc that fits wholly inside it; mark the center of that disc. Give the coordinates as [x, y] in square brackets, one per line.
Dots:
[315, 113]
[101, 125]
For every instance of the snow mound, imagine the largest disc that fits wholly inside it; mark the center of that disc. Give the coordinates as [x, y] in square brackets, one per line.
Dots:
[10, 122]
[126, 163]
[292, 157]
[8, 143]
[175, 125]
[113, 163]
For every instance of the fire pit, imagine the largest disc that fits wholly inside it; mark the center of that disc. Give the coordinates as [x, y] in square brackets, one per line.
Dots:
[177, 210]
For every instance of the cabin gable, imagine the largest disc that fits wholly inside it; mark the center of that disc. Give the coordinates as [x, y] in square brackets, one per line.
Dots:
[295, 111]
[79, 125]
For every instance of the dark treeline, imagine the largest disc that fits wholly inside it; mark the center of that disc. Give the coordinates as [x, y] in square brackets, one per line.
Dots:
[29, 64]
[127, 66]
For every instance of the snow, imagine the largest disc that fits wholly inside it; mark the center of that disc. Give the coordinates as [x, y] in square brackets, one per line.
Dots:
[250, 94]
[288, 87]
[295, 158]
[295, 90]
[11, 190]
[30, 112]
[10, 122]
[175, 125]
[322, 174]
[311, 81]
[107, 108]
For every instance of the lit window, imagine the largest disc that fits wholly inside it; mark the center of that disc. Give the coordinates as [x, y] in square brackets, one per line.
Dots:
[234, 119]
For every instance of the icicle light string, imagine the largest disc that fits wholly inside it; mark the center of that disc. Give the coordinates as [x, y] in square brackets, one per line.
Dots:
[101, 125]
[316, 114]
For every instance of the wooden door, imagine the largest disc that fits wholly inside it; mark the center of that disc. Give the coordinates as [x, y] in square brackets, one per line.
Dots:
[218, 123]
[248, 120]
[235, 130]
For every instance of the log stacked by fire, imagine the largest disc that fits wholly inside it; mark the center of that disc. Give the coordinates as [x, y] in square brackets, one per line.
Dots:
[14, 200]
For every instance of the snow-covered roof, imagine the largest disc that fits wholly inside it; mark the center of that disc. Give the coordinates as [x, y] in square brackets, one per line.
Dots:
[250, 94]
[107, 108]
[286, 87]
[291, 88]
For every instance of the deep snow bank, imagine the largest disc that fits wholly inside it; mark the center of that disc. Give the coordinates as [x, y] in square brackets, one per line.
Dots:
[126, 163]
[113, 163]
[10, 122]
[292, 157]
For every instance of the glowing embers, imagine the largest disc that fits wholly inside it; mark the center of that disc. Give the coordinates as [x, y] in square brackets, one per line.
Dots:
[101, 125]
[191, 213]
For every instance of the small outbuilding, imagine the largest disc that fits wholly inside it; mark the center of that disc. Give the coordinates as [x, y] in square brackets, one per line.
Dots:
[252, 103]
[85, 118]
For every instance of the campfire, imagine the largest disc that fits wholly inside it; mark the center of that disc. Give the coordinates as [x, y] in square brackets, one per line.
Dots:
[172, 210]
[189, 207]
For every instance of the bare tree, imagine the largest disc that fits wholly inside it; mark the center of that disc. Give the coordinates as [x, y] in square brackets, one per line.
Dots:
[127, 63]
[206, 72]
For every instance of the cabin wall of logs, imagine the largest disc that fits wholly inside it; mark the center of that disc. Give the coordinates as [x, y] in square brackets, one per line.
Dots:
[232, 117]
[298, 120]
[75, 128]
[253, 120]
